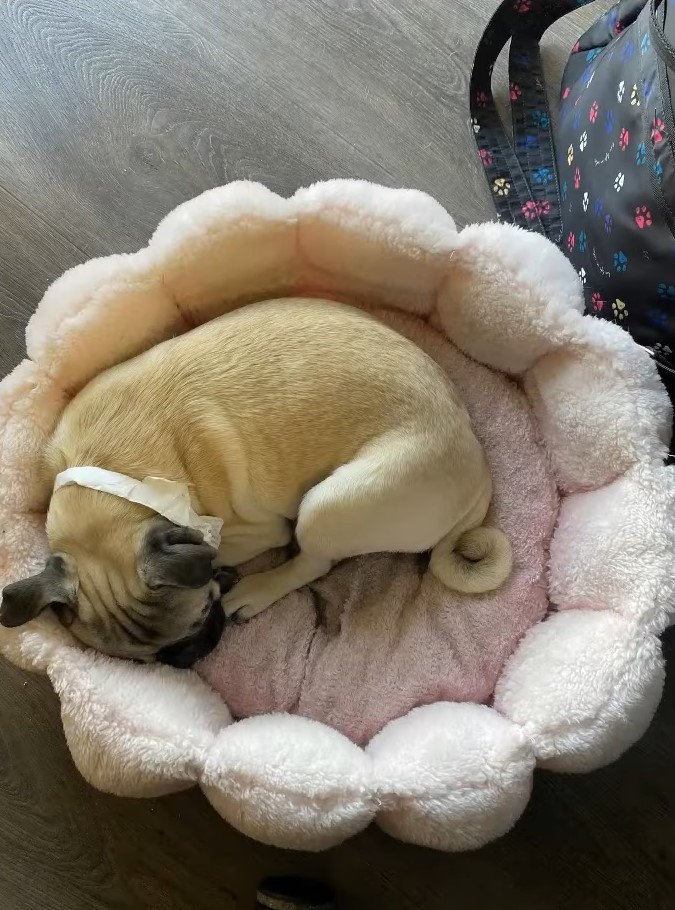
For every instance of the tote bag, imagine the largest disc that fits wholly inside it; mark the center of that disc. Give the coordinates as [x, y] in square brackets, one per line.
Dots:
[601, 184]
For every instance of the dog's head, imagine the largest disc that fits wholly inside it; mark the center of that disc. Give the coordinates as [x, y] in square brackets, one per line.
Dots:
[145, 591]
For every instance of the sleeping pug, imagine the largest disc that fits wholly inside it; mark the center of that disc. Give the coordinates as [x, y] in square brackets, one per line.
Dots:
[294, 416]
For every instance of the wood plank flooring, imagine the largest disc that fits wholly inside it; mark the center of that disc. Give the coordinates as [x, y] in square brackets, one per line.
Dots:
[114, 112]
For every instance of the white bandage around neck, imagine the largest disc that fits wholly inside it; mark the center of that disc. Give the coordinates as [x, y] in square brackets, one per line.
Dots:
[166, 497]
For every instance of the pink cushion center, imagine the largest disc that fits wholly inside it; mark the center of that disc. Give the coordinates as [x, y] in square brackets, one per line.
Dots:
[379, 635]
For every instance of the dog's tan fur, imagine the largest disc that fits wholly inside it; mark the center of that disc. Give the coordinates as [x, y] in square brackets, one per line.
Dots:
[286, 411]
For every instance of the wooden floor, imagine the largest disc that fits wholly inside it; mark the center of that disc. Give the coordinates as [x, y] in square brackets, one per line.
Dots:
[113, 112]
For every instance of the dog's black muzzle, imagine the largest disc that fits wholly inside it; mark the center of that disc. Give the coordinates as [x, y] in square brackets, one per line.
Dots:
[186, 652]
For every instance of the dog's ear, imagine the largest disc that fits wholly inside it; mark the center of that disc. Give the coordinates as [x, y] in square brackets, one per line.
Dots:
[176, 557]
[26, 599]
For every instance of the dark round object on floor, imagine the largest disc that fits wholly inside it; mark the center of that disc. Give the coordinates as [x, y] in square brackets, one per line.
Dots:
[292, 892]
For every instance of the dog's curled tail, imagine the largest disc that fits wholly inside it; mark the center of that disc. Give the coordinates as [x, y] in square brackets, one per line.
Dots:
[475, 563]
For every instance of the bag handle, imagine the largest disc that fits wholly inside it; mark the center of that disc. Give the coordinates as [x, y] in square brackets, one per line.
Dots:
[522, 174]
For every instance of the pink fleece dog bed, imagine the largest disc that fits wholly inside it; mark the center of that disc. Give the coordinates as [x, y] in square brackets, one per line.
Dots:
[561, 668]
[379, 635]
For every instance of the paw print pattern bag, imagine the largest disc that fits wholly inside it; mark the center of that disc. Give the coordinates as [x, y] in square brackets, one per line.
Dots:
[601, 183]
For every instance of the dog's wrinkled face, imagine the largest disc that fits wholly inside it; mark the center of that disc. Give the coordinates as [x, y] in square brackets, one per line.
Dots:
[155, 597]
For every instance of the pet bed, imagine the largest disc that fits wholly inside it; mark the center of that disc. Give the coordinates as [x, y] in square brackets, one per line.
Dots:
[562, 669]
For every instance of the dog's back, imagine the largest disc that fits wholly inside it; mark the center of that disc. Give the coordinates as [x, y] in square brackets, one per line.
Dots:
[282, 391]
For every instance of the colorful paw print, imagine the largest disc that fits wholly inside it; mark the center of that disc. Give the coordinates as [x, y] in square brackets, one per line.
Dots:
[634, 96]
[501, 187]
[619, 310]
[662, 350]
[543, 176]
[658, 169]
[597, 301]
[475, 125]
[570, 241]
[659, 319]
[584, 202]
[577, 120]
[647, 87]
[582, 275]
[588, 75]
[620, 261]
[528, 141]
[624, 139]
[619, 181]
[627, 50]
[597, 207]
[666, 291]
[608, 223]
[609, 121]
[522, 6]
[645, 44]
[581, 241]
[563, 190]
[577, 178]
[485, 157]
[643, 217]
[593, 112]
[640, 154]
[570, 154]
[515, 91]
[620, 91]
[482, 98]
[583, 141]
[592, 54]
[658, 130]
[540, 118]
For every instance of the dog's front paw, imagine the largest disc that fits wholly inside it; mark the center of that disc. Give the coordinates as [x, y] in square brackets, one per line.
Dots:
[248, 597]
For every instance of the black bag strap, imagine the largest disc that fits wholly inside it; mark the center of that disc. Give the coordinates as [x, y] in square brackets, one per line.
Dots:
[521, 173]
[661, 44]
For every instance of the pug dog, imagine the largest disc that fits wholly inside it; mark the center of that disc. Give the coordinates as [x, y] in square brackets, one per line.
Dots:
[292, 417]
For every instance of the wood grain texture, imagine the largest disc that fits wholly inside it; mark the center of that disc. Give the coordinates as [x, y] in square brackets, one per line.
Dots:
[113, 113]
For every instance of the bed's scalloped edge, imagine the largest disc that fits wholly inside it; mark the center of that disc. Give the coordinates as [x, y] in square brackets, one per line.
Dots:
[448, 776]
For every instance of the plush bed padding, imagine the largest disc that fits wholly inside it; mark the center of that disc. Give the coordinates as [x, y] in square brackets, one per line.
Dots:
[579, 689]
